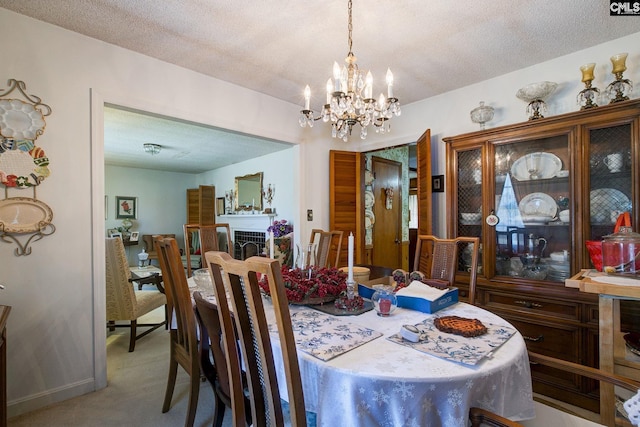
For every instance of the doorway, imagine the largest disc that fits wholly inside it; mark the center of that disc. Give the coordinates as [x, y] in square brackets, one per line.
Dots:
[387, 209]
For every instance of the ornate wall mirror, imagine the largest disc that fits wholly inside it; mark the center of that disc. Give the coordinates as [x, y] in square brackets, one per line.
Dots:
[249, 192]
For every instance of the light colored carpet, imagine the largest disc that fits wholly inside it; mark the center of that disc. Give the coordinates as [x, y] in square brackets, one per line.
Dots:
[135, 391]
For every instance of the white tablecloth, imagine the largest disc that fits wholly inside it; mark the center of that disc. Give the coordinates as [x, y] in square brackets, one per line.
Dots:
[382, 383]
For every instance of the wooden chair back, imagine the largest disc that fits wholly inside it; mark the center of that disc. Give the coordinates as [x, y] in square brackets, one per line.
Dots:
[593, 373]
[329, 244]
[482, 417]
[438, 259]
[212, 358]
[183, 335]
[208, 237]
[239, 279]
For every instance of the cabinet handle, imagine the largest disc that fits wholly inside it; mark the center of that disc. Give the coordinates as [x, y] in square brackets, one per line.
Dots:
[539, 339]
[528, 304]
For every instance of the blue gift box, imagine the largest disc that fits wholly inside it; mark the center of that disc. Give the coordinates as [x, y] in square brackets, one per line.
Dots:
[413, 303]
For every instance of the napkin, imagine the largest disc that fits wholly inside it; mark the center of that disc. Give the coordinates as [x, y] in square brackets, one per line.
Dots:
[418, 289]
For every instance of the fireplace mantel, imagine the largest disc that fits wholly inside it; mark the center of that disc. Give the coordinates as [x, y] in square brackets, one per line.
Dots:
[248, 222]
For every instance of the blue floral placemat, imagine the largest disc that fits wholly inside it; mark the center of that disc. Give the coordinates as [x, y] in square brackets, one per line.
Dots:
[324, 336]
[455, 347]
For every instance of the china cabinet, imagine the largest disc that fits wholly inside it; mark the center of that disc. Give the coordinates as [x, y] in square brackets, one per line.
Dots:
[535, 193]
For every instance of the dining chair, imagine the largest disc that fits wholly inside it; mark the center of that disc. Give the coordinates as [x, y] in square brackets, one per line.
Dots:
[212, 359]
[438, 259]
[123, 302]
[199, 239]
[239, 280]
[589, 372]
[482, 417]
[328, 244]
[183, 342]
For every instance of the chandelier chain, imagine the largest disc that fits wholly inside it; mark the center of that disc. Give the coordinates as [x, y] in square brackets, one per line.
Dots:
[350, 28]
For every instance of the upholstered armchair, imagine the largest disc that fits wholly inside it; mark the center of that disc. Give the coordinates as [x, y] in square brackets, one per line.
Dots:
[148, 245]
[282, 248]
[123, 302]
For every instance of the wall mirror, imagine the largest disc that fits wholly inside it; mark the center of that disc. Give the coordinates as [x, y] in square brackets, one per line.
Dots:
[249, 192]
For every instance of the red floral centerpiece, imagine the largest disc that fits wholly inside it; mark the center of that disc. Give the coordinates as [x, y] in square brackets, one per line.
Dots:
[322, 285]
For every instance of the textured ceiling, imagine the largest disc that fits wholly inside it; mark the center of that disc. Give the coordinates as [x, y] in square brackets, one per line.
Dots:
[277, 46]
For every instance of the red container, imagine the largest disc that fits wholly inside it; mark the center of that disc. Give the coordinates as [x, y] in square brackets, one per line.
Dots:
[595, 253]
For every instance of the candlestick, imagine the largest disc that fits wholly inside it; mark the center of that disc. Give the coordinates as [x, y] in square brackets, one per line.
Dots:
[271, 245]
[350, 278]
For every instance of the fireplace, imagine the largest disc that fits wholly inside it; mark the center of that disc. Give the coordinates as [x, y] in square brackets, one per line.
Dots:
[248, 244]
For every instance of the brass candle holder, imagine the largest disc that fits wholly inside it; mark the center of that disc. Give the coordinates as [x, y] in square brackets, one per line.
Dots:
[619, 89]
[587, 95]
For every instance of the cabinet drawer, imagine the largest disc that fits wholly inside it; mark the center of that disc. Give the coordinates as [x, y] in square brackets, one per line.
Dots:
[555, 341]
[550, 339]
[536, 305]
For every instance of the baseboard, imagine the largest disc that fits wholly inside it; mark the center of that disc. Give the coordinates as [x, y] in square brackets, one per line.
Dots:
[49, 397]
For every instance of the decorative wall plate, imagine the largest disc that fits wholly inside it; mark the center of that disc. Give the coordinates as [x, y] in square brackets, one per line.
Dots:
[22, 168]
[24, 215]
[369, 219]
[20, 120]
[368, 199]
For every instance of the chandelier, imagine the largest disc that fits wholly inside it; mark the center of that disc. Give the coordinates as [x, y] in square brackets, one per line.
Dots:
[152, 149]
[350, 100]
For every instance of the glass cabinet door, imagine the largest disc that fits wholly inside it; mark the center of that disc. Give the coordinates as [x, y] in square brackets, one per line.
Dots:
[469, 222]
[610, 178]
[532, 203]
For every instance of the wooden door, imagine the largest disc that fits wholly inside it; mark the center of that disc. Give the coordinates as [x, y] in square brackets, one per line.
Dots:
[387, 208]
[201, 205]
[346, 200]
[207, 211]
[425, 203]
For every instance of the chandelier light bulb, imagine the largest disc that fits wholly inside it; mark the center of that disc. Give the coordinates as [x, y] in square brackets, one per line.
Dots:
[368, 89]
[307, 97]
[389, 79]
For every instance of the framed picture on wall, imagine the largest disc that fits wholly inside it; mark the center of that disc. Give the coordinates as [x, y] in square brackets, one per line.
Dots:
[437, 183]
[135, 235]
[220, 206]
[126, 207]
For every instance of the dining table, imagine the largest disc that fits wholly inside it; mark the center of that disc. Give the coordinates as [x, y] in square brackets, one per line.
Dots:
[358, 371]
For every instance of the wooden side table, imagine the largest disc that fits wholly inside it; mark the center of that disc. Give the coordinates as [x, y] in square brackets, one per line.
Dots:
[613, 352]
[4, 315]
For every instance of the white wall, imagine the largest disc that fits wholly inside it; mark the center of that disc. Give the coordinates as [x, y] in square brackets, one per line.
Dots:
[56, 329]
[278, 169]
[161, 204]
